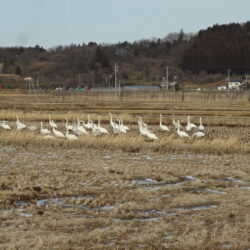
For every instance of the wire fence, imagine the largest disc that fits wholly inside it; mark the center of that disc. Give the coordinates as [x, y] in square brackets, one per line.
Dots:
[154, 96]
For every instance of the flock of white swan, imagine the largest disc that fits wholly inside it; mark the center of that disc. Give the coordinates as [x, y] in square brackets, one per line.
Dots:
[80, 127]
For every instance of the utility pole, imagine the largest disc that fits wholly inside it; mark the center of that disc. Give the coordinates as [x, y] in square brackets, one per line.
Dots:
[79, 81]
[109, 77]
[228, 77]
[116, 70]
[175, 77]
[167, 76]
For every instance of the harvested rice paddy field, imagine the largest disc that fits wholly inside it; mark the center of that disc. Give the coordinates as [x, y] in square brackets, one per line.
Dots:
[124, 191]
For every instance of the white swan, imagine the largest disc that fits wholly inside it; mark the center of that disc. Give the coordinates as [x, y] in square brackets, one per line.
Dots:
[181, 133]
[48, 137]
[151, 136]
[122, 129]
[67, 126]
[96, 131]
[32, 128]
[70, 137]
[5, 126]
[52, 123]
[19, 125]
[44, 131]
[162, 128]
[89, 124]
[175, 124]
[112, 123]
[190, 125]
[142, 129]
[201, 127]
[78, 129]
[124, 126]
[145, 132]
[58, 133]
[102, 130]
[198, 134]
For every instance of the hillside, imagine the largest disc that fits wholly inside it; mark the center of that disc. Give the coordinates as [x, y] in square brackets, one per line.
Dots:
[220, 48]
[202, 58]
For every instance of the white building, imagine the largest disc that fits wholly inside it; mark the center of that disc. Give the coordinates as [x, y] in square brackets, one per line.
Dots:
[235, 84]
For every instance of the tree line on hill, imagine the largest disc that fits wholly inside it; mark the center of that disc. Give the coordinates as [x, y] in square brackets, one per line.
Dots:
[202, 57]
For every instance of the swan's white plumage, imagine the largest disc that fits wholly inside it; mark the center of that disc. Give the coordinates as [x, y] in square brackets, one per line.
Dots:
[44, 131]
[58, 133]
[20, 125]
[198, 134]
[181, 133]
[70, 137]
[5, 126]
[201, 127]
[162, 127]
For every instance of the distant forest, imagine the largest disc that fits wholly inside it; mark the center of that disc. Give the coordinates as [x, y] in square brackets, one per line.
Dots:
[199, 58]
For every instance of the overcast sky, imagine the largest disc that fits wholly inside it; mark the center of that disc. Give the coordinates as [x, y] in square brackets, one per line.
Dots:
[61, 22]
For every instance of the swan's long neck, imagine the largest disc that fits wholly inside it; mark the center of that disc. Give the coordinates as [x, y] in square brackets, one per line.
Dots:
[178, 126]
[111, 120]
[78, 121]
[160, 120]
[88, 119]
[41, 125]
[200, 121]
[99, 121]
[140, 124]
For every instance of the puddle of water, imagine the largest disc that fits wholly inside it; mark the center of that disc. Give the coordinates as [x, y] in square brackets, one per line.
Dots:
[174, 184]
[22, 203]
[142, 246]
[61, 200]
[25, 215]
[248, 188]
[79, 207]
[196, 191]
[154, 200]
[52, 171]
[2, 149]
[165, 195]
[134, 159]
[147, 219]
[168, 237]
[226, 246]
[160, 213]
[111, 242]
[232, 179]
[52, 156]
[12, 210]
[152, 188]
[149, 182]
[215, 191]
[189, 178]
[197, 207]
[107, 157]
[107, 208]
[105, 167]
[147, 157]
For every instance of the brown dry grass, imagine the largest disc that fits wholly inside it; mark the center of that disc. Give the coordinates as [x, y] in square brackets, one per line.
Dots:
[119, 210]
[109, 178]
